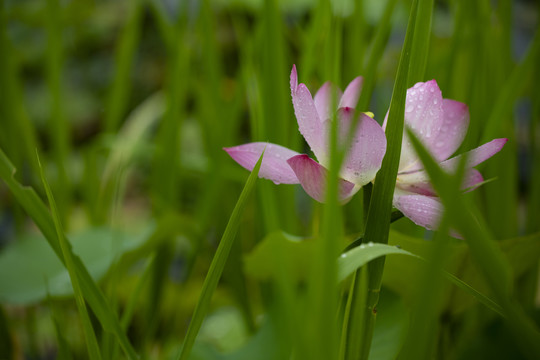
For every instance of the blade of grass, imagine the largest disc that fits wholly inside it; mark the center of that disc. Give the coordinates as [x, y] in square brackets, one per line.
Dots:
[379, 42]
[506, 98]
[88, 330]
[127, 44]
[59, 129]
[355, 43]
[278, 125]
[135, 130]
[319, 29]
[18, 132]
[350, 348]
[502, 196]
[378, 221]
[38, 212]
[166, 175]
[420, 42]
[63, 352]
[319, 339]
[217, 265]
[421, 340]
[533, 209]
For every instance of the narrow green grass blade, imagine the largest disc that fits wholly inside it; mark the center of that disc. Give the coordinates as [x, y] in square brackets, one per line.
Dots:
[38, 212]
[63, 352]
[533, 209]
[319, 339]
[420, 45]
[502, 196]
[59, 128]
[506, 98]
[425, 325]
[18, 136]
[166, 175]
[353, 317]
[119, 92]
[319, 29]
[376, 51]
[378, 221]
[88, 330]
[355, 44]
[466, 219]
[217, 265]
[135, 130]
[276, 124]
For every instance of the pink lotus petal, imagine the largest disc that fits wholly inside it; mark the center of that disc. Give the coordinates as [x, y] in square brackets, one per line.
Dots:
[453, 129]
[364, 157]
[324, 102]
[424, 116]
[475, 157]
[309, 124]
[352, 93]
[274, 164]
[472, 178]
[294, 80]
[423, 210]
[420, 188]
[313, 177]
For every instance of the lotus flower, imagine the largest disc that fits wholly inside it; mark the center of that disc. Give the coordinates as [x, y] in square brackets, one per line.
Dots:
[314, 115]
[441, 125]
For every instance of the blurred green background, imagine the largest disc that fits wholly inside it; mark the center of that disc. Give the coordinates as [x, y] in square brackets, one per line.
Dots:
[129, 104]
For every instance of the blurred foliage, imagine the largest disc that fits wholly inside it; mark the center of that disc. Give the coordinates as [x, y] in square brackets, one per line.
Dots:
[129, 103]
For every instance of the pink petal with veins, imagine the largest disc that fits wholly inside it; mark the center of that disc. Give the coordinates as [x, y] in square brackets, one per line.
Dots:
[274, 165]
[313, 178]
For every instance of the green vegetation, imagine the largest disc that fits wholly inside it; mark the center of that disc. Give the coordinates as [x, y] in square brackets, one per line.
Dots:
[127, 232]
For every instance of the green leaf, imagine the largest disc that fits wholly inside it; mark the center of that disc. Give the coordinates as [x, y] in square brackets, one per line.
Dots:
[361, 255]
[32, 269]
